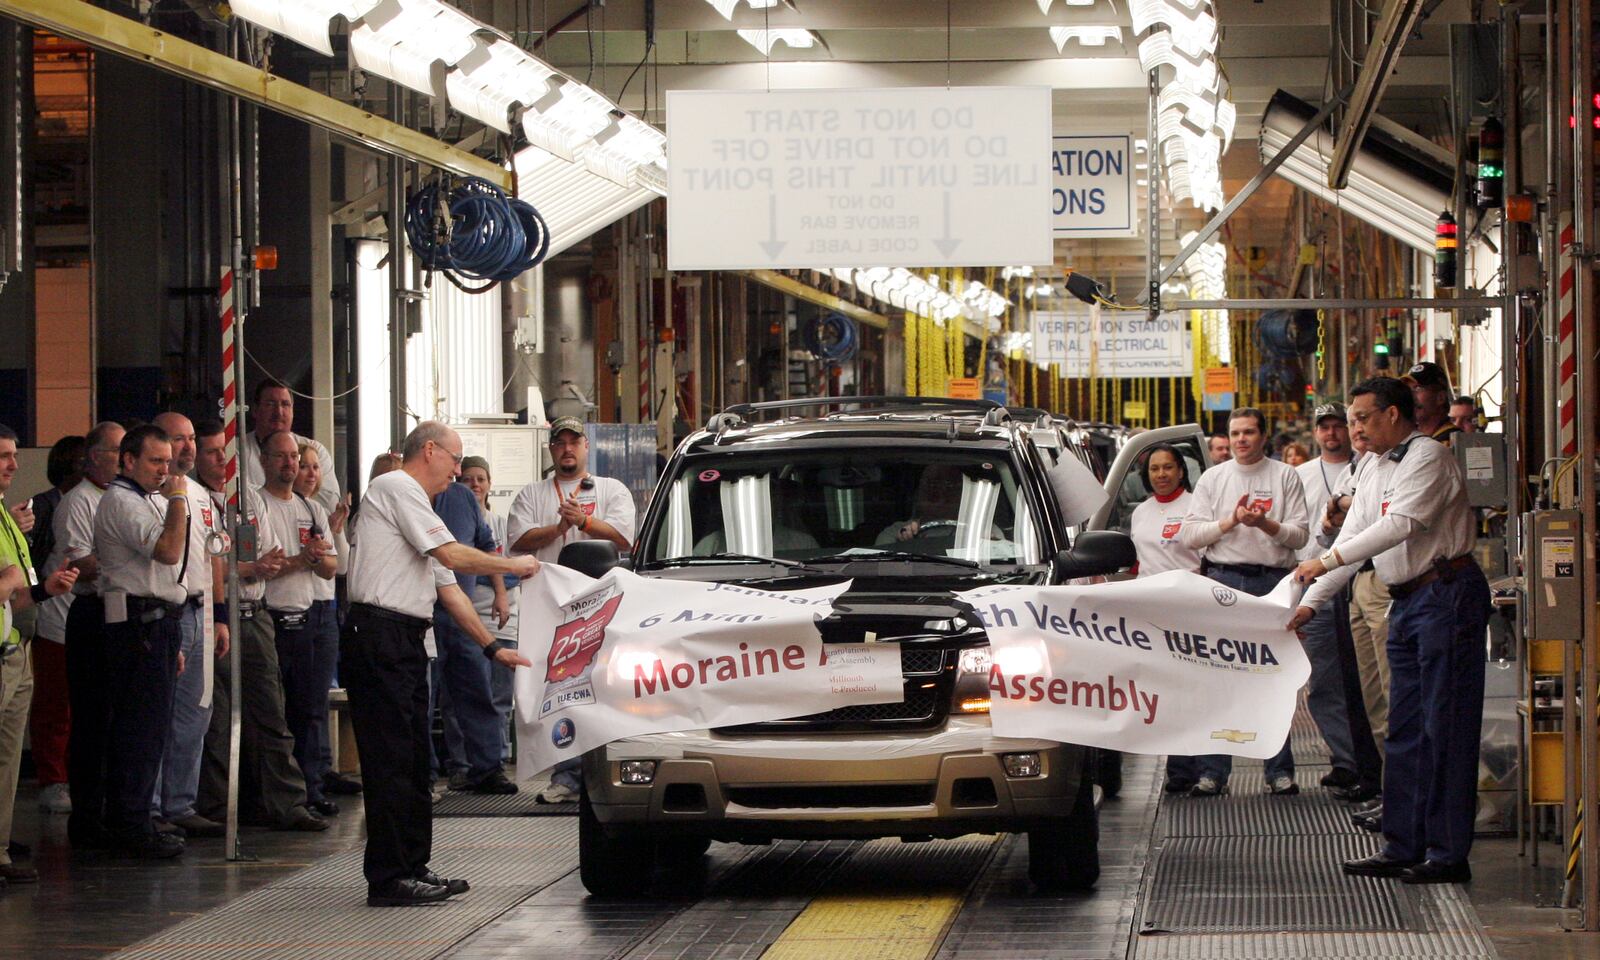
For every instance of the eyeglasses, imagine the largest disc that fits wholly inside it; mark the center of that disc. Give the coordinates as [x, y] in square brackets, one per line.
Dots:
[457, 457]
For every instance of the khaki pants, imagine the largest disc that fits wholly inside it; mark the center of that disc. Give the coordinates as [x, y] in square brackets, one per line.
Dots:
[16, 696]
[1369, 628]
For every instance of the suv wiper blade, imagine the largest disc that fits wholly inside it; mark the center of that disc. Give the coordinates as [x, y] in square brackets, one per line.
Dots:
[900, 555]
[732, 558]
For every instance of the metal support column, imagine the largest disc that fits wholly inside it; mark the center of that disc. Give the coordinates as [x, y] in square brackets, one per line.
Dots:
[1154, 275]
[1588, 684]
[235, 489]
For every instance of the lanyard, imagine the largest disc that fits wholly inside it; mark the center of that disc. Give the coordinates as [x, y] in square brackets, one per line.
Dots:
[183, 568]
[13, 534]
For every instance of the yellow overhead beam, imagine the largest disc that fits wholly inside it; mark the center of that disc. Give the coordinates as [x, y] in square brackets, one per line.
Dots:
[130, 38]
[794, 288]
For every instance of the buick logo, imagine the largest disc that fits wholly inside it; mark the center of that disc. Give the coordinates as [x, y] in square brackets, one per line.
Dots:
[1224, 596]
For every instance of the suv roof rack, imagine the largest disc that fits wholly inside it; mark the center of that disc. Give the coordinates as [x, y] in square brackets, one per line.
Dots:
[993, 413]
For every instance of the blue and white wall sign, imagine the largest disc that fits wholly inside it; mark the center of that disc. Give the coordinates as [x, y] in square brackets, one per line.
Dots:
[1093, 193]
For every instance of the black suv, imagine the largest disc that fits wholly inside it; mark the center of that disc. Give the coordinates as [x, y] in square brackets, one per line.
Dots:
[911, 499]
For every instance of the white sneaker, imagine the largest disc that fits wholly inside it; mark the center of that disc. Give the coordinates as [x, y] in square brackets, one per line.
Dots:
[1208, 787]
[557, 793]
[55, 798]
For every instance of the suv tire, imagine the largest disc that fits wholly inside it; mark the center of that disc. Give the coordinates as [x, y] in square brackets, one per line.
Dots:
[1065, 856]
[612, 866]
[676, 853]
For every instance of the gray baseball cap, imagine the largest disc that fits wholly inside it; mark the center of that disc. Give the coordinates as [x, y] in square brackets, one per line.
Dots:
[1333, 409]
[566, 423]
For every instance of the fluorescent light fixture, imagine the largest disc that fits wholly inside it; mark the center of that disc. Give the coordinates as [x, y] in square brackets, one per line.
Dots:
[493, 79]
[626, 144]
[307, 22]
[725, 7]
[764, 40]
[1086, 36]
[405, 42]
[566, 117]
[1194, 29]
[1393, 186]
[1198, 72]
[1044, 5]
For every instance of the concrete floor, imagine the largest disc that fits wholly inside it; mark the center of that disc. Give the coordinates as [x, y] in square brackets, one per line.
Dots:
[92, 905]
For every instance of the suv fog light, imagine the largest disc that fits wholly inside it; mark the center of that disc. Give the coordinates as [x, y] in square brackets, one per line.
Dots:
[1020, 764]
[638, 772]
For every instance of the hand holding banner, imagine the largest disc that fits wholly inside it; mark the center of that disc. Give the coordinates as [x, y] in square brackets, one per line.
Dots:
[626, 655]
[1170, 664]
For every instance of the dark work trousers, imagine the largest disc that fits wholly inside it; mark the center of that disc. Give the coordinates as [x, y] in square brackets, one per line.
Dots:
[385, 671]
[143, 663]
[327, 647]
[1436, 664]
[1220, 765]
[89, 689]
[270, 783]
[305, 661]
[464, 675]
[1369, 759]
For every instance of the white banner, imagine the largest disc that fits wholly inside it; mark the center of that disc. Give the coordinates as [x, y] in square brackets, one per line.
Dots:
[627, 655]
[1092, 193]
[1170, 664]
[901, 177]
[1091, 342]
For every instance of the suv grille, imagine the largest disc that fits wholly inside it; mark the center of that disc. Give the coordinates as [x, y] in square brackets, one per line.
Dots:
[926, 701]
[865, 795]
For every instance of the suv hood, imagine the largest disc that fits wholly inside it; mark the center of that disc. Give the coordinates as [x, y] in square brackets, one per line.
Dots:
[934, 616]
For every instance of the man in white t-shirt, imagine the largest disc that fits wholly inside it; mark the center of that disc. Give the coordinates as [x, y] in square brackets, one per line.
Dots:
[1334, 693]
[404, 559]
[300, 527]
[272, 410]
[1247, 518]
[571, 505]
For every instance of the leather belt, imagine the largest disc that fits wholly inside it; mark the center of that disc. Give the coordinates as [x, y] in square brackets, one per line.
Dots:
[1243, 569]
[151, 609]
[1442, 569]
[418, 624]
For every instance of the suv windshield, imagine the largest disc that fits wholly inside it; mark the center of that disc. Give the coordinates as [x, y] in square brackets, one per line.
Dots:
[866, 502]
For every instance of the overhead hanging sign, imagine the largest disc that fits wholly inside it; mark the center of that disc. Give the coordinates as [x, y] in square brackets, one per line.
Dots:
[1113, 343]
[627, 655]
[1175, 663]
[1092, 193]
[904, 177]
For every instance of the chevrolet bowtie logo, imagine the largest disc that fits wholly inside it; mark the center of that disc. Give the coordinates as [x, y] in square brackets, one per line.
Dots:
[1233, 736]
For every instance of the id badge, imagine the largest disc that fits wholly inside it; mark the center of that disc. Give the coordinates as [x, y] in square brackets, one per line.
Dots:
[116, 607]
[249, 541]
[33, 575]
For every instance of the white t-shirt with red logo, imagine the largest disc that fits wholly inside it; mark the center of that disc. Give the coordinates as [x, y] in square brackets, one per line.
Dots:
[1154, 527]
[293, 522]
[1269, 485]
[537, 505]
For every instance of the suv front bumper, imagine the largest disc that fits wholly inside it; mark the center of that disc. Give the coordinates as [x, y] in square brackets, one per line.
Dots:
[924, 784]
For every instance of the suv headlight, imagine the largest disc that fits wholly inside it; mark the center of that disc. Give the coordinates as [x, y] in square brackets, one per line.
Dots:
[976, 660]
[972, 680]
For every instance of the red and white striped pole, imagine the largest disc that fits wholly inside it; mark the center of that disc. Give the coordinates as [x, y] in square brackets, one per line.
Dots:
[1566, 341]
[230, 394]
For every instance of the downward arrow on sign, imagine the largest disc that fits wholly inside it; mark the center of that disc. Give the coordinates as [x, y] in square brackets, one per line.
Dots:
[946, 243]
[772, 244]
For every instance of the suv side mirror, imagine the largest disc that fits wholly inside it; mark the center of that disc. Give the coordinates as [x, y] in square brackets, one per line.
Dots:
[1096, 552]
[591, 558]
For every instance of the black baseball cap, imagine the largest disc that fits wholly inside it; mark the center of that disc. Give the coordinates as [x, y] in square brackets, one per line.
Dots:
[1428, 374]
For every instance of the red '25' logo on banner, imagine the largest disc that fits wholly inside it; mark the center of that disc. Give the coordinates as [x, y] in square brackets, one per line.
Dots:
[577, 641]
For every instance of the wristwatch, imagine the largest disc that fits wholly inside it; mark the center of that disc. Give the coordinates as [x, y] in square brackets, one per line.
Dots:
[1331, 560]
[495, 646]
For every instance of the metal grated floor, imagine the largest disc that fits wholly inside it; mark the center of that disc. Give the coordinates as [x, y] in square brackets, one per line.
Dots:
[320, 913]
[523, 803]
[1251, 876]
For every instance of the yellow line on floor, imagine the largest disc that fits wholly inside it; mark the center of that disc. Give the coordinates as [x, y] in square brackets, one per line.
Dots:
[862, 924]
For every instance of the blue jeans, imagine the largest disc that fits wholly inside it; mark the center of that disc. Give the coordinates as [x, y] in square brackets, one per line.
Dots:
[1219, 766]
[1325, 698]
[1436, 664]
[464, 675]
[175, 792]
[502, 684]
[307, 655]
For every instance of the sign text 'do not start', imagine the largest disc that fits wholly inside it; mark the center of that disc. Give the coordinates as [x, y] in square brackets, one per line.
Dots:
[840, 178]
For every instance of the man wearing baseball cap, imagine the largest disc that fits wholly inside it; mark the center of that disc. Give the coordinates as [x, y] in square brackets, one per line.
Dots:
[1334, 698]
[568, 506]
[1431, 387]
